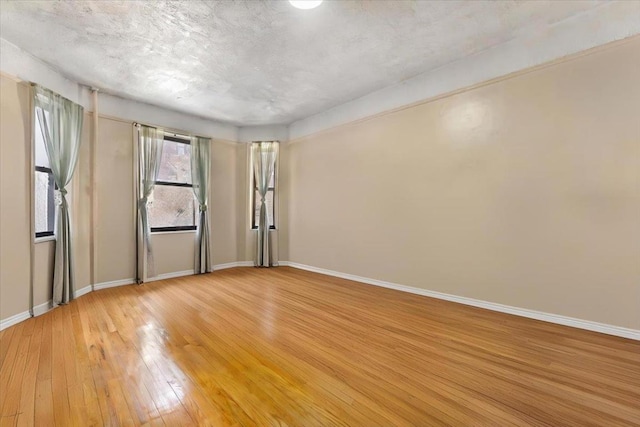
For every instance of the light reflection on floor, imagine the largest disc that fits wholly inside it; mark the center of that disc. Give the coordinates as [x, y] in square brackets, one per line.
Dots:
[153, 349]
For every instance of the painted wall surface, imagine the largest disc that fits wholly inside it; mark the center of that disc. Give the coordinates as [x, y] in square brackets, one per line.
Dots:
[173, 252]
[523, 192]
[245, 238]
[223, 209]
[115, 228]
[43, 272]
[80, 200]
[15, 234]
[284, 182]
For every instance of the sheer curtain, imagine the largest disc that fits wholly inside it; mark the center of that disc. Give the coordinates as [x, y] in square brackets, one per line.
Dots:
[264, 155]
[150, 143]
[61, 126]
[200, 160]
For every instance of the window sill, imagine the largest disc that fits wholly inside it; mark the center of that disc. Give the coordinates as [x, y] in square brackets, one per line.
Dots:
[153, 233]
[44, 239]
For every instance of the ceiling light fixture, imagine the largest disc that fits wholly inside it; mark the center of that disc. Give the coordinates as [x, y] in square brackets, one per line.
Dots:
[305, 4]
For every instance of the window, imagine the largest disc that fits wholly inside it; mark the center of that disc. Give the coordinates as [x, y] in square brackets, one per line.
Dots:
[172, 205]
[269, 199]
[44, 186]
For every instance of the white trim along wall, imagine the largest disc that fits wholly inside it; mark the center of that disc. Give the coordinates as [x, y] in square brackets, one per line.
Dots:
[47, 306]
[517, 311]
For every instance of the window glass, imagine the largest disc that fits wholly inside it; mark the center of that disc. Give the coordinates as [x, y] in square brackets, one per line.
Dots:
[43, 185]
[272, 180]
[44, 203]
[172, 206]
[269, 203]
[40, 150]
[175, 164]
[269, 200]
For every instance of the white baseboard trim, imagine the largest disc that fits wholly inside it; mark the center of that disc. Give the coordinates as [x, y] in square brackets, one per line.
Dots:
[223, 266]
[523, 312]
[231, 265]
[82, 291]
[105, 285]
[245, 264]
[172, 275]
[12, 320]
[41, 309]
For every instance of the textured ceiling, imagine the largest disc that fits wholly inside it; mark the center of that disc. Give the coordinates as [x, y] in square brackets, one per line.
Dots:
[263, 62]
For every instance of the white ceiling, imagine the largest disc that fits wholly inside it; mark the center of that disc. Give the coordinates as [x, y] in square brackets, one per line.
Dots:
[264, 62]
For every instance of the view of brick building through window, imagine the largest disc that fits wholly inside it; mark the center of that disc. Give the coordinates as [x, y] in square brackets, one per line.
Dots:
[172, 205]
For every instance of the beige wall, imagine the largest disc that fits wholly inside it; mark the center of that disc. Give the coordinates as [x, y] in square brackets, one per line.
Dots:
[244, 235]
[523, 192]
[115, 228]
[223, 210]
[173, 252]
[43, 272]
[15, 234]
[80, 200]
[284, 182]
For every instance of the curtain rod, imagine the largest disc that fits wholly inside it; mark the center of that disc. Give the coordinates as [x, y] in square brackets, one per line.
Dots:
[174, 132]
[34, 84]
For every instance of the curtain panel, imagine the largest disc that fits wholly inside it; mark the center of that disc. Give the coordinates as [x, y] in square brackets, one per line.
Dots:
[61, 126]
[150, 143]
[264, 156]
[200, 161]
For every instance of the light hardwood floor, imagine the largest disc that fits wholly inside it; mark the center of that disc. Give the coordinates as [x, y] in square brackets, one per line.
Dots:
[251, 347]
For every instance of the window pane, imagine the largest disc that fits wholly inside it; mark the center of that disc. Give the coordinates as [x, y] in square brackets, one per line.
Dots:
[172, 206]
[269, 201]
[44, 203]
[272, 179]
[175, 164]
[40, 150]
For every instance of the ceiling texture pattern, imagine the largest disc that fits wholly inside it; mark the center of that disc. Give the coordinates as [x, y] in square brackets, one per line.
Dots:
[263, 62]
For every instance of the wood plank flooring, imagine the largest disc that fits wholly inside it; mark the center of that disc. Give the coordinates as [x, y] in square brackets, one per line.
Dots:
[284, 347]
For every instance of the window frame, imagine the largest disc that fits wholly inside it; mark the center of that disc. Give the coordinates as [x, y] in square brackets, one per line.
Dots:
[51, 203]
[186, 141]
[254, 188]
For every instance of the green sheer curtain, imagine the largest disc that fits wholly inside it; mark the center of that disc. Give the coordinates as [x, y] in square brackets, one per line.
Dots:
[61, 126]
[150, 143]
[264, 155]
[200, 160]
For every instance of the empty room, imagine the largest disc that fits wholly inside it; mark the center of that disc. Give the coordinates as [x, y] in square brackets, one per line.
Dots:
[320, 213]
